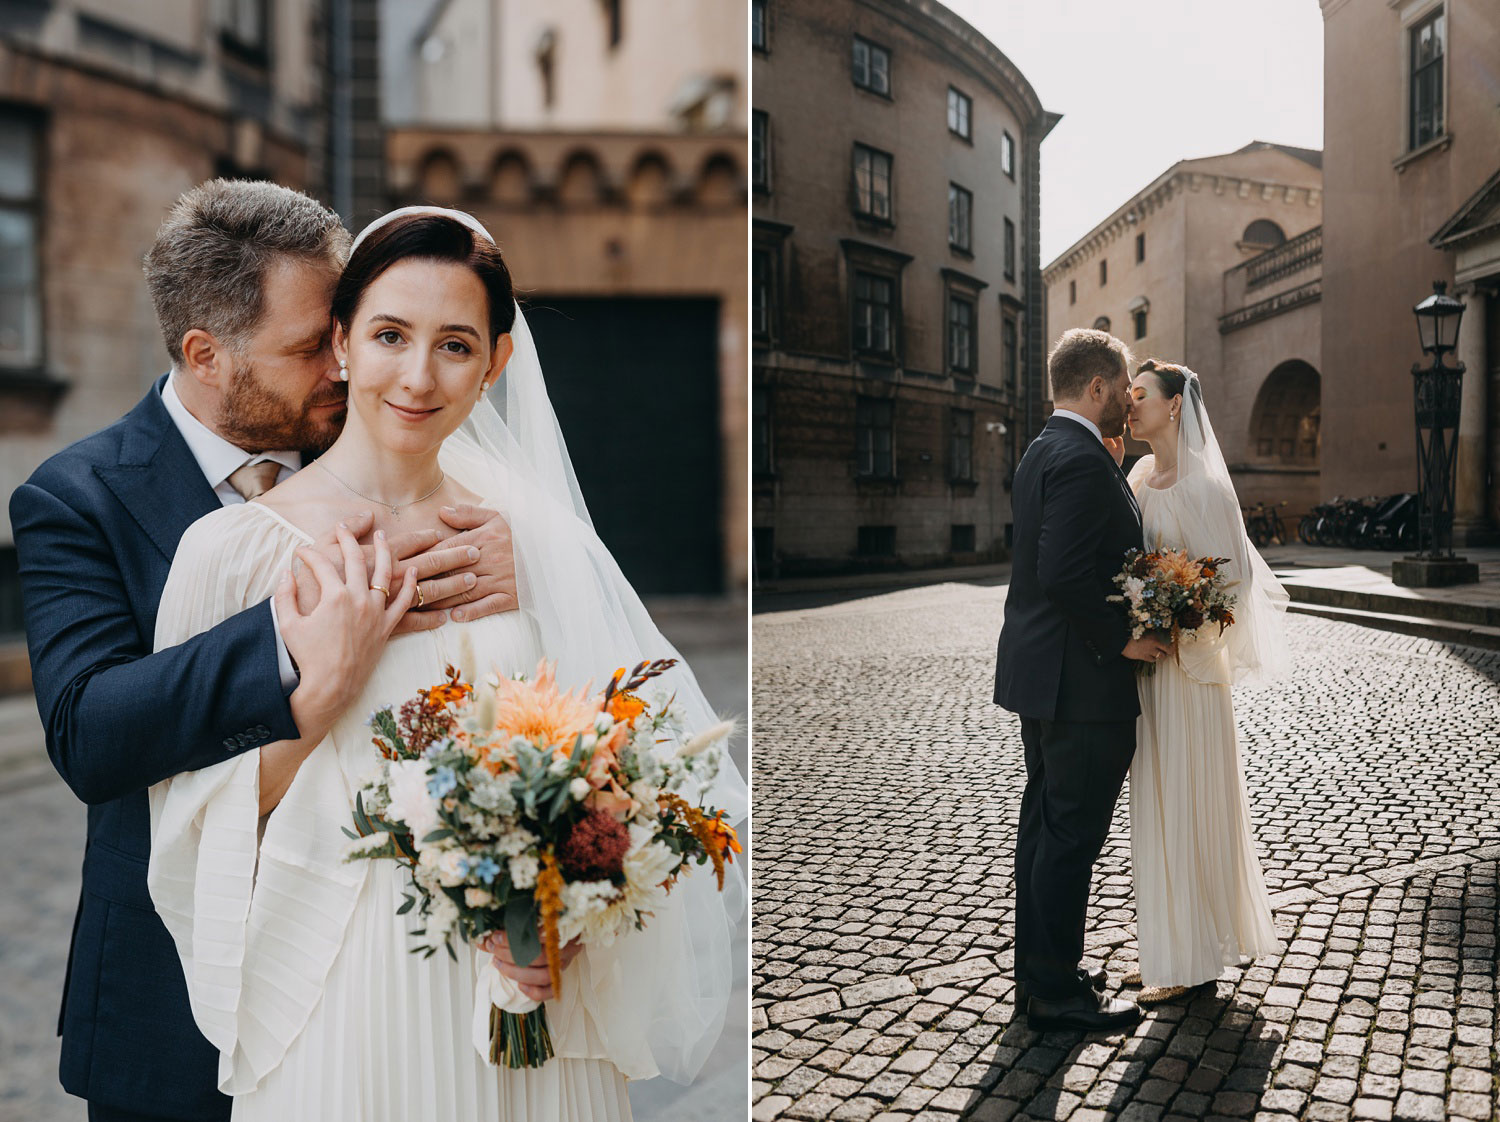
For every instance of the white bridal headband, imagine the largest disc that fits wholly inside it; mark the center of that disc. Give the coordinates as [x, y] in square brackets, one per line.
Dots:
[435, 211]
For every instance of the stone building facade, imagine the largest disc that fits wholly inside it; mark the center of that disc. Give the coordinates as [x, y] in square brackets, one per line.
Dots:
[896, 300]
[108, 112]
[1412, 174]
[1217, 264]
[604, 144]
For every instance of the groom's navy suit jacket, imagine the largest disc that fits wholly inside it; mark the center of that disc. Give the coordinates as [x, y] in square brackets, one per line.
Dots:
[95, 528]
[1075, 518]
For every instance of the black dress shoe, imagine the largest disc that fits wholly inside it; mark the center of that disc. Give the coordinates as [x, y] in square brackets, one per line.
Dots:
[1085, 1013]
[1097, 979]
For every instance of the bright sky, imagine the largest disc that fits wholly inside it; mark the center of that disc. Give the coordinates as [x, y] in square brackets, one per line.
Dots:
[1144, 84]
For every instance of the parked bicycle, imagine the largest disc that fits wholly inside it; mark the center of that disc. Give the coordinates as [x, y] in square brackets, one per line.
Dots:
[1373, 522]
[1264, 526]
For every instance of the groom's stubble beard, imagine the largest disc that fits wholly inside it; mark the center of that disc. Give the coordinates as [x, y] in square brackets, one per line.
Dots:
[1112, 418]
[254, 417]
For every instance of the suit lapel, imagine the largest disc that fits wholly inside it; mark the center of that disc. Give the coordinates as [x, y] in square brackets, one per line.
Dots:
[156, 479]
[1072, 430]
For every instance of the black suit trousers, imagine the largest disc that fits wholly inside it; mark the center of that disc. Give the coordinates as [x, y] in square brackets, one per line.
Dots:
[1074, 772]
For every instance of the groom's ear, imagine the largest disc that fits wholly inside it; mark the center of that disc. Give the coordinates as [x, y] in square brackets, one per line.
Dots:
[206, 359]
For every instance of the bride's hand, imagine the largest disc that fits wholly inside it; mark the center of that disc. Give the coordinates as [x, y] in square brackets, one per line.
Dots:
[1115, 445]
[335, 646]
[534, 980]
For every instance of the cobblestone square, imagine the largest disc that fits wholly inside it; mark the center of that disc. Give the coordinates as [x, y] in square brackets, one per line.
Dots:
[887, 787]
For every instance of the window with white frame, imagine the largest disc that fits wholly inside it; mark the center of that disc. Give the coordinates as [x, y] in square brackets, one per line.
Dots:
[872, 67]
[960, 218]
[872, 182]
[762, 291]
[874, 313]
[1426, 87]
[1008, 154]
[961, 446]
[960, 335]
[874, 443]
[20, 242]
[760, 150]
[960, 107]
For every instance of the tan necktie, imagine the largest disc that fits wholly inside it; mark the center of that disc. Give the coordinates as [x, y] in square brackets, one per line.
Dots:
[254, 480]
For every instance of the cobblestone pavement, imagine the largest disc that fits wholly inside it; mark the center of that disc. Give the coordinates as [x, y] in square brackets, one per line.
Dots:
[42, 831]
[887, 789]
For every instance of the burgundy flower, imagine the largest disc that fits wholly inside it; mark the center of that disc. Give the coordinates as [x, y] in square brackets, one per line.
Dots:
[595, 848]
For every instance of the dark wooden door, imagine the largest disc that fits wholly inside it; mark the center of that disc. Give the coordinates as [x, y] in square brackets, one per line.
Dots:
[635, 383]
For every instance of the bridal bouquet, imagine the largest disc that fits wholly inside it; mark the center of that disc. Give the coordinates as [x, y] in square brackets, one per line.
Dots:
[548, 815]
[1168, 593]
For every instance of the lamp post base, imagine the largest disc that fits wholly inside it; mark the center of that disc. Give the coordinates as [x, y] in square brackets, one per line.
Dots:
[1434, 572]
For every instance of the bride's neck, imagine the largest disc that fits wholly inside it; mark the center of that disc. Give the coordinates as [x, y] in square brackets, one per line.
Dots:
[1165, 455]
[379, 473]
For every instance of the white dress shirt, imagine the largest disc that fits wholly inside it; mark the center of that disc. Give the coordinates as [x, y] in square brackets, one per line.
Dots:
[1084, 421]
[218, 459]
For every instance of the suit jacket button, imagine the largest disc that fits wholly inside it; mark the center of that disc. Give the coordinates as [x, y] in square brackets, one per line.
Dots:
[262, 732]
[229, 744]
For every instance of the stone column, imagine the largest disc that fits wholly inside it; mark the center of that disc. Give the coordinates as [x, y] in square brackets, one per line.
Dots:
[1470, 523]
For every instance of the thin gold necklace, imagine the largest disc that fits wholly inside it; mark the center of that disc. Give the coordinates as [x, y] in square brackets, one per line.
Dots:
[394, 508]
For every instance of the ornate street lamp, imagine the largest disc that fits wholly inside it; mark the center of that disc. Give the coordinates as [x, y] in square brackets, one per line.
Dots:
[1438, 391]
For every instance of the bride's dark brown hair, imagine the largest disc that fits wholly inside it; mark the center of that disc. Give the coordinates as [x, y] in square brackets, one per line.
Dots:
[427, 237]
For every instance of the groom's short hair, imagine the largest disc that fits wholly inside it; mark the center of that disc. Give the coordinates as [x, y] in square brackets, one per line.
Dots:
[1081, 355]
[207, 267]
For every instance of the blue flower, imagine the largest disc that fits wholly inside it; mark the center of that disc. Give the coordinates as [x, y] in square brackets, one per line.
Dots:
[442, 782]
[486, 869]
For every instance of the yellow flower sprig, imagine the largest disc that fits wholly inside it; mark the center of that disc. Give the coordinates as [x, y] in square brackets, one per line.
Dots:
[549, 907]
[699, 825]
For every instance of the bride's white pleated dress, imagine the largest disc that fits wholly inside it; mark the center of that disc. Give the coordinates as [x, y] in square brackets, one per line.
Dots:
[1201, 901]
[299, 969]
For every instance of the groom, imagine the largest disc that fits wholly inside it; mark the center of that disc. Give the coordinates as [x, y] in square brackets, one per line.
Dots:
[1065, 666]
[241, 275]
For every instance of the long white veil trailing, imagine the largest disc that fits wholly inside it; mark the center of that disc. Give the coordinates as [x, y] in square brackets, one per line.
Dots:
[1256, 644]
[591, 622]
[676, 977]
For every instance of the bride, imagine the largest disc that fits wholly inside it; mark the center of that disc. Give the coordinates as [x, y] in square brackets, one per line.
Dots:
[298, 967]
[1201, 900]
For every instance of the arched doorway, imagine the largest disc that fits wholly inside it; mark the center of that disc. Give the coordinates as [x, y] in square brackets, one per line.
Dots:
[1285, 423]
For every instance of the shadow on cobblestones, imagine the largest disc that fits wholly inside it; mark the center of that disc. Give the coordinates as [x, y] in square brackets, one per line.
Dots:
[886, 794]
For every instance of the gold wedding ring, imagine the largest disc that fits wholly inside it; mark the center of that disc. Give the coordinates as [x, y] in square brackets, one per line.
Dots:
[421, 599]
[380, 588]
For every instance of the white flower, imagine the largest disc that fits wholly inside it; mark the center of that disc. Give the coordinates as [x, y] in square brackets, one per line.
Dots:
[478, 898]
[1134, 587]
[559, 765]
[443, 915]
[579, 788]
[514, 841]
[523, 871]
[587, 911]
[410, 803]
[599, 917]
[452, 868]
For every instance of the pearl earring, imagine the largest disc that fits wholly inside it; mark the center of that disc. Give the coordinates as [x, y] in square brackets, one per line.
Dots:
[343, 370]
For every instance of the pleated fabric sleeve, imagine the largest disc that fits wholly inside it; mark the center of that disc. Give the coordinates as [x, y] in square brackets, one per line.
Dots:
[275, 911]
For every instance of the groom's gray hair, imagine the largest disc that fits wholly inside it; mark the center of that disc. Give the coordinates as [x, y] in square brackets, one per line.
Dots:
[207, 267]
[1081, 355]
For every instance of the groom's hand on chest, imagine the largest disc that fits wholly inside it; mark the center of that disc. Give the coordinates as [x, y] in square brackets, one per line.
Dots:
[470, 588]
[470, 574]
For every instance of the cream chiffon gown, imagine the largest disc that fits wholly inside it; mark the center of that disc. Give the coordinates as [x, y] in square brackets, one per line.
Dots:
[1201, 901]
[299, 969]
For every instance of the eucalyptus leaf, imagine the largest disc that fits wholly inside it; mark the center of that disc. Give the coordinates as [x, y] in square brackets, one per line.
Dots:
[520, 929]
